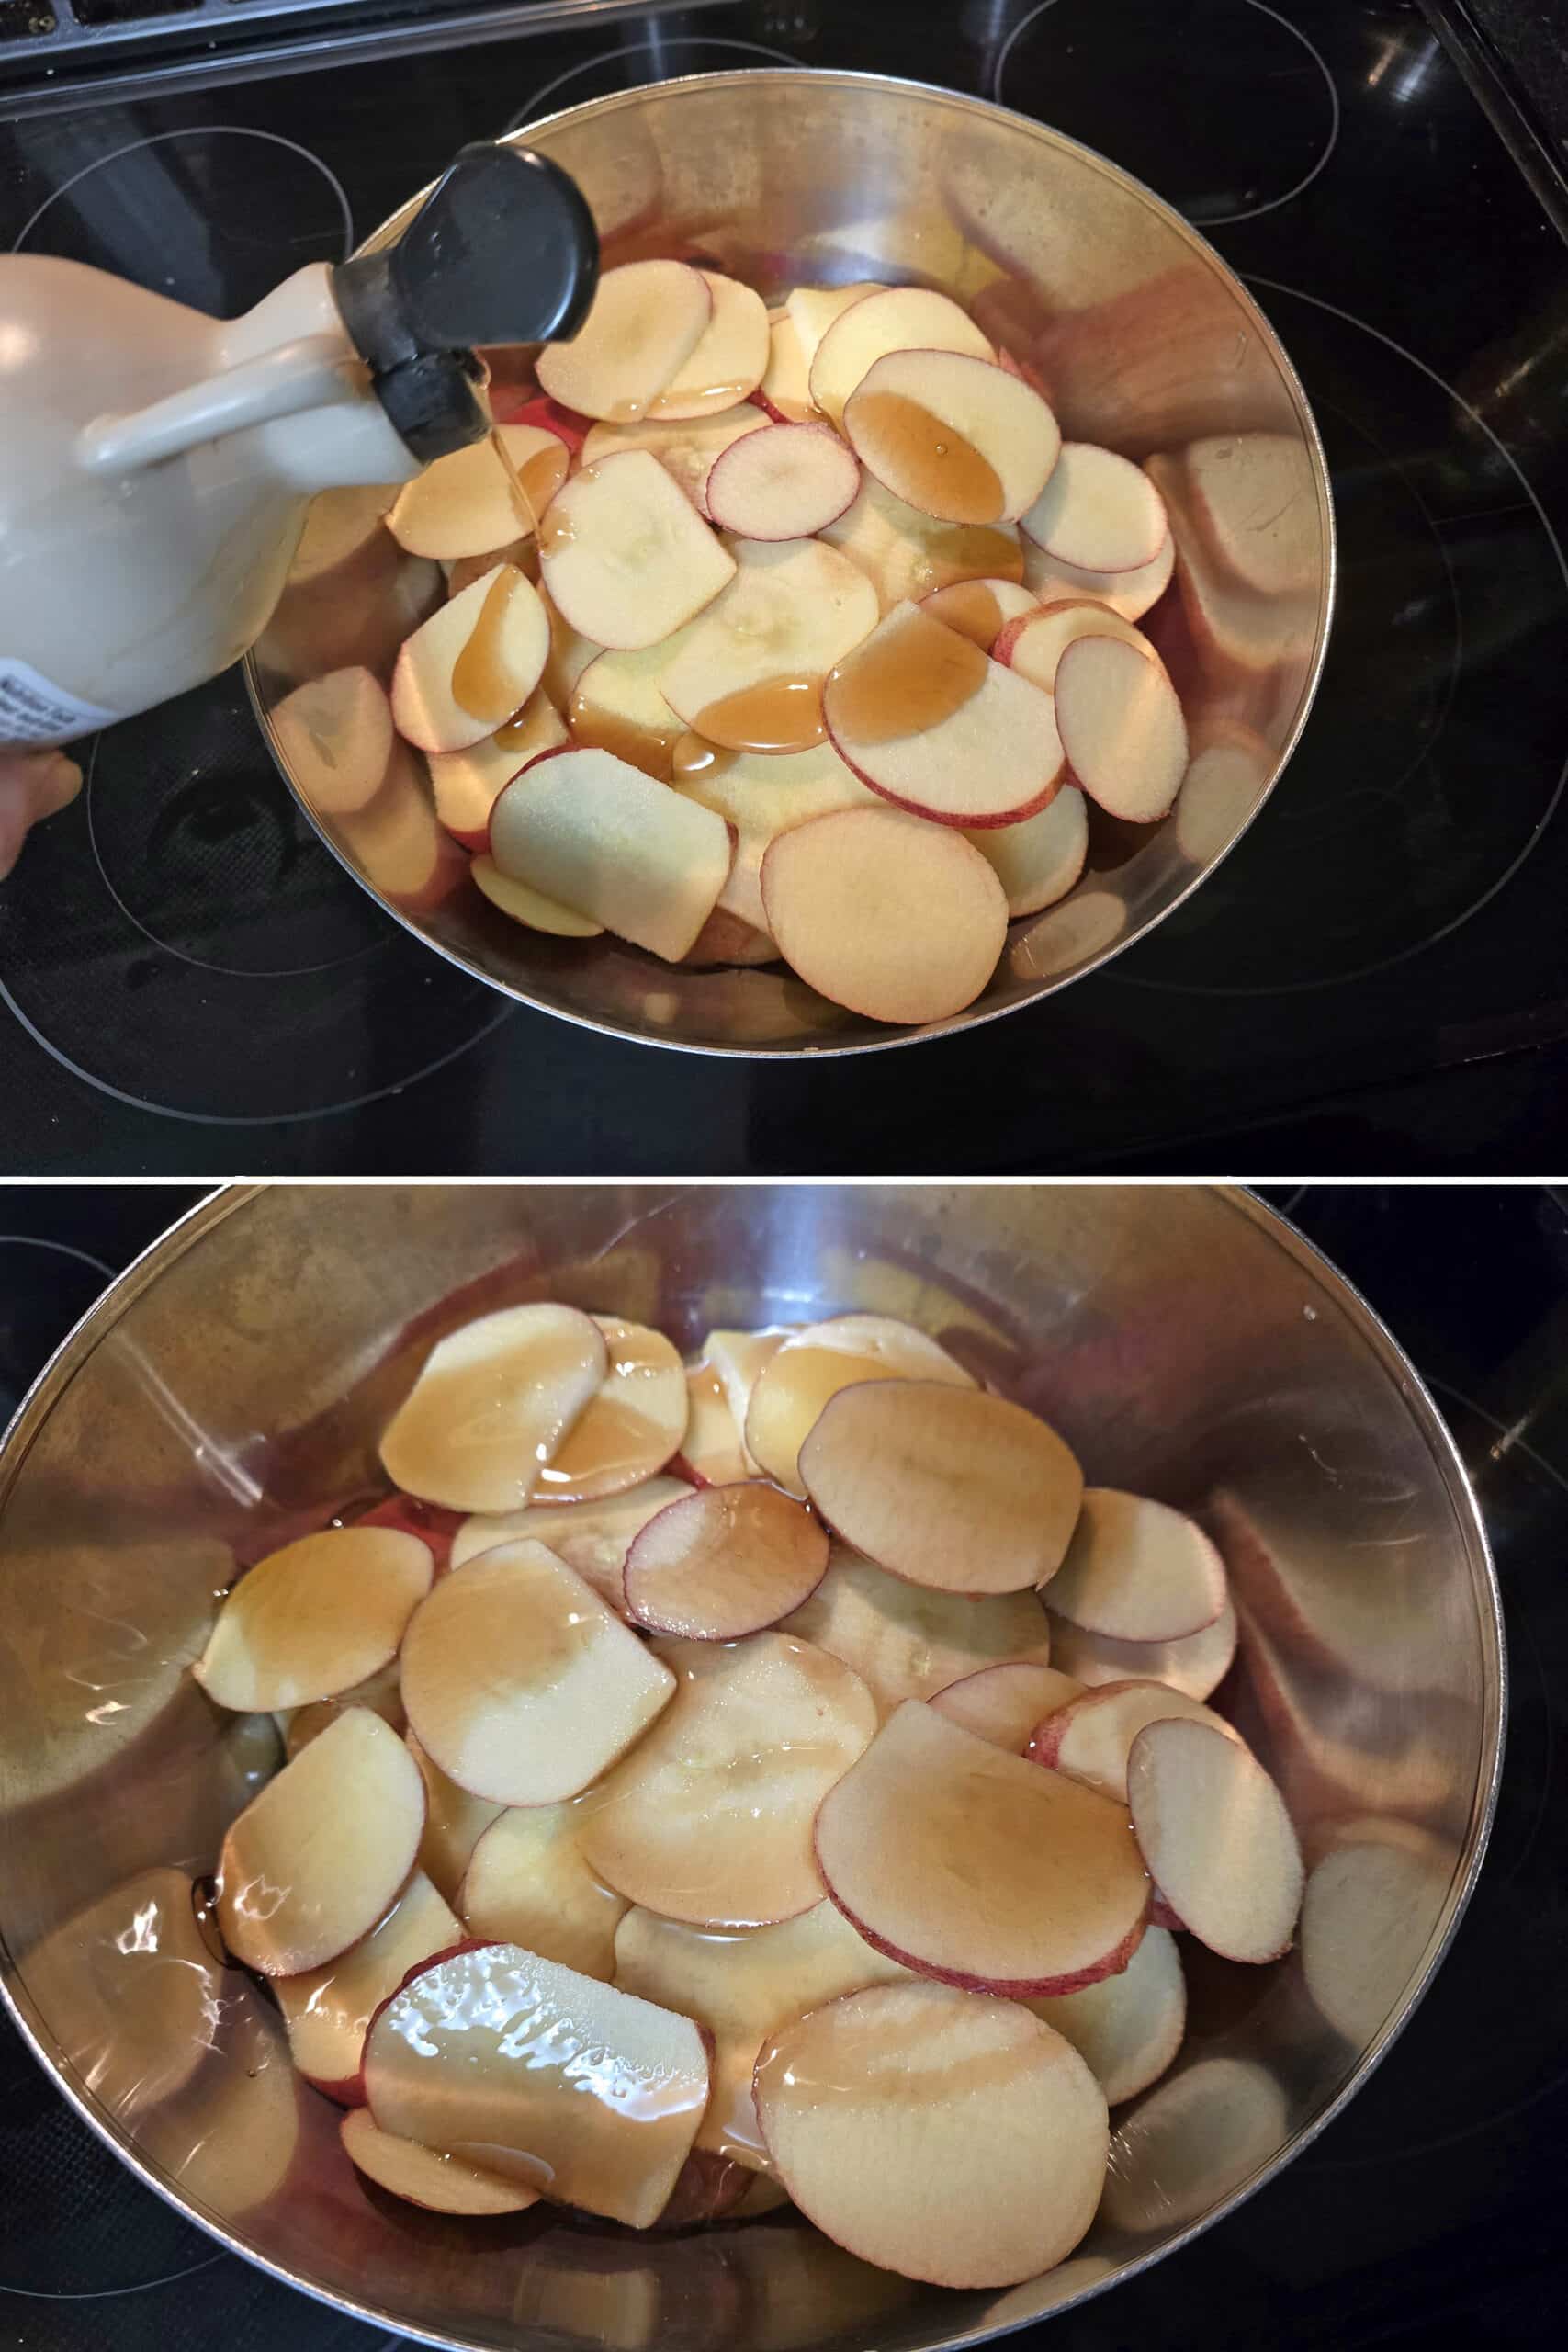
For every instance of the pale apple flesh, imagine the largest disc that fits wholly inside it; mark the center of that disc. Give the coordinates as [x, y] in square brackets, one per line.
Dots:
[472, 664]
[713, 1453]
[954, 434]
[468, 784]
[1138, 1570]
[1034, 643]
[314, 1619]
[424, 2176]
[625, 556]
[793, 609]
[1005, 1703]
[980, 609]
[528, 1884]
[1128, 2028]
[723, 1562]
[729, 359]
[592, 1538]
[1091, 1737]
[1121, 730]
[1097, 511]
[627, 1432]
[328, 2010]
[787, 483]
[1197, 1663]
[900, 318]
[794, 1381]
[454, 1823]
[1215, 1833]
[1039, 860]
[492, 1404]
[529, 907]
[646, 319]
[1130, 594]
[908, 1642]
[466, 504]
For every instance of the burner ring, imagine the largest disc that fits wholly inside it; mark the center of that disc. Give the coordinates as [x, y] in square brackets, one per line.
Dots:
[650, 47]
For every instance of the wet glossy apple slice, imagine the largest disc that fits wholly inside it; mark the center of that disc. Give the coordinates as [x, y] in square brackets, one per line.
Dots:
[424, 2175]
[1138, 1570]
[907, 554]
[793, 1386]
[328, 2010]
[473, 664]
[521, 1683]
[626, 558]
[1128, 2028]
[749, 675]
[837, 2091]
[628, 1432]
[784, 390]
[646, 319]
[977, 1867]
[901, 318]
[1005, 1703]
[1039, 860]
[528, 1884]
[468, 784]
[465, 504]
[729, 359]
[545, 2076]
[713, 1453]
[492, 1404]
[1197, 1664]
[709, 1818]
[454, 1823]
[783, 483]
[1097, 511]
[980, 609]
[1091, 1736]
[906, 1642]
[954, 434]
[723, 1562]
[737, 1358]
[315, 1618]
[1217, 1839]
[592, 1538]
[322, 1853]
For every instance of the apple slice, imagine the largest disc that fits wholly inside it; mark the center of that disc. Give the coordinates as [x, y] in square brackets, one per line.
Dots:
[531, 907]
[328, 2010]
[1122, 727]
[472, 664]
[619, 706]
[738, 1359]
[907, 554]
[1091, 1737]
[711, 1452]
[901, 318]
[454, 1823]
[955, 435]
[723, 1562]
[1034, 644]
[687, 448]
[424, 2176]
[433, 1526]
[709, 2188]
[493, 1402]
[836, 2092]
[335, 737]
[468, 784]
[543, 2075]
[1138, 1571]
[792, 1383]
[749, 675]
[570, 654]
[1128, 2028]
[899, 920]
[1004, 1703]
[908, 1642]
[782, 483]
[315, 1618]
[625, 556]
[522, 552]
[1214, 1830]
[646, 319]
[979, 609]
[784, 390]
[321, 1854]
[729, 360]
[1130, 594]
[629, 1430]
[528, 1884]
[379, 1692]
[742, 1986]
[811, 311]
[521, 1683]
[405, 853]
[592, 1538]
[1038, 861]
[465, 504]
[709, 1820]
[762, 794]
[925, 718]
[1097, 511]
[594, 832]
[977, 1867]
[1197, 1664]
[962, 1492]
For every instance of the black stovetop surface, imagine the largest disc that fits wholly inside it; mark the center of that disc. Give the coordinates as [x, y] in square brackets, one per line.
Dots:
[190, 984]
[1431, 2214]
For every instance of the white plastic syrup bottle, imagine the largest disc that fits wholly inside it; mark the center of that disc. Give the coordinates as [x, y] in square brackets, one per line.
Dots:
[156, 465]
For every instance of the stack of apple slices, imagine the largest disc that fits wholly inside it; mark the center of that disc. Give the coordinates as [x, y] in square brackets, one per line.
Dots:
[794, 634]
[680, 1786]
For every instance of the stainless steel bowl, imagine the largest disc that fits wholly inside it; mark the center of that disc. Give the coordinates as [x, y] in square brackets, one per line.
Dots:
[234, 1380]
[1142, 338]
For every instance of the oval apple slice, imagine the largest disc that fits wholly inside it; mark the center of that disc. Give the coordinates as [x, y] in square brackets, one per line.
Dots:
[962, 1492]
[1127, 2028]
[980, 609]
[1034, 643]
[977, 1867]
[646, 319]
[727, 360]
[472, 664]
[955, 435]
[468, 784]
[625, 556]
[723, 1562]
[1131, 593]
[619, 707]
[1197, 1663]
[908, 1642]
[519, 1681]
[592, 1538]
[321, 1854]
[905, 553]
[315, 1618]
[784, 390]
[1214, 1830]
[749, 676]
[811, 309]
[686, 448]
[1004, 1703]
[835, 2092]
[492, 1404]
[528, 1884]
[901, 318]
[1122, 727]
[1038, 861]
[793, 1383]
[1097, 511]
[628, 1431]
[454, 1823]
[328, 2010]
[710, 1819]
[784, 484]
[530, 907]
[762, 794]
[424, 2175]
[465, 503]
[1091, 1736]
[1138, 1570]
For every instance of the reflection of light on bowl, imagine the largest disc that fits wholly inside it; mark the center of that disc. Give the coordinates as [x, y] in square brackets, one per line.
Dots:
[1367, 1919]
[1221, 790]
[1079, 927]
[1190, 2143]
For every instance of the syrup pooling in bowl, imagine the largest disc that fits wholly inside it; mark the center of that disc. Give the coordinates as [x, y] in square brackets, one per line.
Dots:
[937, 464]
[779, 715]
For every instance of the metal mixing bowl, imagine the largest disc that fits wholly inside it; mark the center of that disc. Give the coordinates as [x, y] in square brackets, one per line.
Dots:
[232, 1384]
[1141, 337]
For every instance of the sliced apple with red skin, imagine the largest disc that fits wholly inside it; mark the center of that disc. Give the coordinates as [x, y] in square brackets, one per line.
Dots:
[901, 318]
[960, 1491]
[1122, 727]
[336, 739]
[784, 390]
[323, 1851]
[1130, 594]
[980, 609]
[709, 1818]
[687, 447]
[1138, 1570]
[628, 1431]
[530, 907]
[424, 2176]
[762, 794]
[977, 1867]
[468, 784]
[533, 2071]
[1197, 1664]
[500, 611]
[1091, 1737]
[811, 311]
[723, 1562]
[592, 1538]
[713, 1453]
[1035, 643]
[1215, 1833]
[1006, 1704]
[521, 1683]
[315, 1618]
[1038, 861]
[528, 1884]
[646, 319]
[454, 1823]
[791, 1384]
[511, 407]
[432, 1525]
[1128, 2028]
[626, 558]
[1097, 511]
[836, 2090]
[931, 724]
[465, 504]
[898, 921]
[328, 2010]
[954, 434]
[595, 833]
[492, 1404]
[407, 854]
[793, 610]
[908, 1642]
[729, 360]
[907, 554]
[782, 483]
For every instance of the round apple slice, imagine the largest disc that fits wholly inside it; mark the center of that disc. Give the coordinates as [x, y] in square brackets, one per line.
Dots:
[962, 1492]
[629, 1430]
[531, 907]
[520, 1682]
[1097, 511]
[710, 1819]
[468, 784]
[908, 1642]
[492, 1404]
[749, 676]
[782, 483]
[321, 1854]
[315, 1618]
[625, 556]
[1130, 594]
[1122, 727]
[465, 504]
[687, 448]
[335, 735]
[1004, 1703]
[454, 1823]
[472, 664]
[955, 435]
[424, 2176]
[1091, 1737]
[901, 318]
[646, 319]
[528, 1884]
[907, 554]
[794, 1382]
[977, 1867]
[729, 359]
[724, 1561]
[979, 609]
[1214, 1830]
[1138, 1570]
[837, 2091]
[592, 1538]
[1197, 1663]
[1128, 2028]
[1038, 861]
[811, 309]
[328, 2010]
[762, 794]
[1035, 643]
[500, 2058]
[925, 718]
[784, 390]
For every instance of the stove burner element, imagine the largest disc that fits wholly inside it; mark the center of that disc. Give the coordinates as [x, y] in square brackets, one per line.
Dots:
[1222, 107]
[608, 76]
[45, 1287]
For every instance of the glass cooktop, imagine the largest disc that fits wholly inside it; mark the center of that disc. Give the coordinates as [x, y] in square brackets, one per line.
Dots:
[187, 981]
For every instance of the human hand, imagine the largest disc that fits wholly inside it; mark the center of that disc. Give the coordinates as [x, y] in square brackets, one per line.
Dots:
[32, 784]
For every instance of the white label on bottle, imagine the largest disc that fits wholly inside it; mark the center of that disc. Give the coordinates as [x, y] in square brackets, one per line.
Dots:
[32, 710]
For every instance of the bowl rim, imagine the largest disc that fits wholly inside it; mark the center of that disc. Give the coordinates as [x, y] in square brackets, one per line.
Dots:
[1049, 984]
[144, 1270]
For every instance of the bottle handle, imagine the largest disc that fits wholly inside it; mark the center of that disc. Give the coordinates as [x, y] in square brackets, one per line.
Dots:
[309, 373]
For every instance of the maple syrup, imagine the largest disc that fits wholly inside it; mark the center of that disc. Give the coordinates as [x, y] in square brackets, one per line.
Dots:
[936, 467]
[777, 715]
[482, 681]
[905, 681]
[971, 608]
